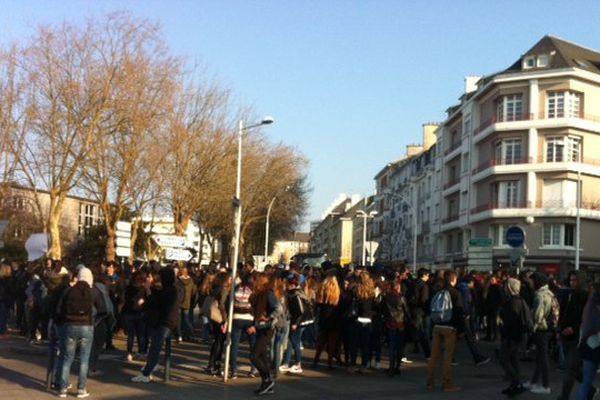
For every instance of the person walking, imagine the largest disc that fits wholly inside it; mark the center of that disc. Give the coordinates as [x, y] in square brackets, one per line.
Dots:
[135, 297]
[360, 335]
[77, 330]
[242, 319]
[219, 294]
[545, 320]
[447, 319]
[162, 310]
[185, 329]
[396, 316]
[516, 323]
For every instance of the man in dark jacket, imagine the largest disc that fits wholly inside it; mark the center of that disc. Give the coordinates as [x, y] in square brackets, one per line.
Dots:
[163, 318]
[571, 311]
[447, 331]
[516, 322]
[419, 309]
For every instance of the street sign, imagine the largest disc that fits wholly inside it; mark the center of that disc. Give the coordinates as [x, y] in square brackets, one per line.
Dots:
[123, 251]
[516, 253]
[515, 236]
[170, 241]
[123, 226]
[481, 242]
[178, 254]
[123, 242]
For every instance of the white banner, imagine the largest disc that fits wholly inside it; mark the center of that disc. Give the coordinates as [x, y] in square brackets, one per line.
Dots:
[36, 246]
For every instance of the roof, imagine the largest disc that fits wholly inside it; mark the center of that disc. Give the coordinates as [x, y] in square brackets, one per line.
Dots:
[563, 54]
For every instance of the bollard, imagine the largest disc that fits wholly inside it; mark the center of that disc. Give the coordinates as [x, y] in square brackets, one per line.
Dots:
[168, 359]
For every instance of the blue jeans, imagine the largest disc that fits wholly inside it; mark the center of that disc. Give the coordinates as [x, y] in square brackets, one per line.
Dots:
[136, 328]
[237, 330]
[71, 336]
[158, 336]
[186, 329]
[360, 336]
[589, 374]
[396, 347]
[294, 344]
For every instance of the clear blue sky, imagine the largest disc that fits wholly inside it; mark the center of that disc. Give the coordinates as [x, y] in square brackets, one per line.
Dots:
[349, 83]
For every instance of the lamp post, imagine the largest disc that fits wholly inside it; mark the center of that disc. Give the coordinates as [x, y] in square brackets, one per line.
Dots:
[578, 219]
[267, 224]
[363, 214]
[237, 223]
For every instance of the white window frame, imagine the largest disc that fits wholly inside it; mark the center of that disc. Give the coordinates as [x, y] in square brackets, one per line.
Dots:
[563, 104]
[570, 149]
[505, 151]
[507, 193]
[498, 234]
[510, 108]
[543, 60]
[554, 235]
[529, 62]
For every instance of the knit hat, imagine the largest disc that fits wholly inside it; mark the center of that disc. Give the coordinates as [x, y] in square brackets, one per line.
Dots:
[85, 275]
[514, 286]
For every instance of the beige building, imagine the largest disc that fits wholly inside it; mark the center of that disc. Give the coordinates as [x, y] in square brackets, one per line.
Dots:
[333, 234]
[284, 250]
[513, 152]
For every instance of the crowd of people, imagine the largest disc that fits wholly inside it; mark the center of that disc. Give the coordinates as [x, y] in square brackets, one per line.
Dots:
[352, 314]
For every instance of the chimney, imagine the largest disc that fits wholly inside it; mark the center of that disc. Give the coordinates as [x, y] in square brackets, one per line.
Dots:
[413, 149]
[429, 137]
[471, 83]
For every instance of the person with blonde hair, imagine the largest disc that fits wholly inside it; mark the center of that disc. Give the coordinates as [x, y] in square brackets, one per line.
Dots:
[327, 312]
[361, 310]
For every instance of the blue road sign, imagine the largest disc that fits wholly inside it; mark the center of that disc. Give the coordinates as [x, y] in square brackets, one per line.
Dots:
[515, 236]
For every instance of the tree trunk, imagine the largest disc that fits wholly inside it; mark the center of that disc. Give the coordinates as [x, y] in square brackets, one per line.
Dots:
[54, 213]
[110, 249]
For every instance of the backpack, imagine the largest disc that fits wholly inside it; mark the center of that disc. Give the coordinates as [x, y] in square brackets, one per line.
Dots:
[441, 307]
[78, 304]
[526, 317]
[553, 314]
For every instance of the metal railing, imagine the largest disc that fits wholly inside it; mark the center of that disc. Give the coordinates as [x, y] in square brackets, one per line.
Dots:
[497, 205]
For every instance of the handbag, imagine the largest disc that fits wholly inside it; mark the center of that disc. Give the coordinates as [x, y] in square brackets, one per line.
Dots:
[210, 309]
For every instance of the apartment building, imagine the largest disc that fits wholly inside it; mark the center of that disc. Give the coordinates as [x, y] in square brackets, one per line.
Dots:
[284, 250]
[332, 235]
[514, 151]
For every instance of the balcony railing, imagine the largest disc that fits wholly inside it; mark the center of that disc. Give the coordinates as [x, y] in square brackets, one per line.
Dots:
[531, 116]
[491, 163]
[452, 147]
[450, 218]
[496, 205]
[495, 119]
[587, 205]
[451, 182]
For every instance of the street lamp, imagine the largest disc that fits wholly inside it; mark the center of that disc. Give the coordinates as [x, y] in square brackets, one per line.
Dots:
[237, 222]
[267, 223]
[363, 214]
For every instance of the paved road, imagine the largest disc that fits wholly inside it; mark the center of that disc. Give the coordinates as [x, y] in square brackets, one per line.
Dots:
[22, 371]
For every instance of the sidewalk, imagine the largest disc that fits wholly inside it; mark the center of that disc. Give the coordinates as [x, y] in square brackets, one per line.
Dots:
[22, 374]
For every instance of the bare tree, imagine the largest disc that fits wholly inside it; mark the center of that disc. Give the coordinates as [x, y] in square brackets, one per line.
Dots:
[141, 99]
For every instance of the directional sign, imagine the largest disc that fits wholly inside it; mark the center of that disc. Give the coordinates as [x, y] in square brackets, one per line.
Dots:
[178, 254]
[170, 241]
[123, 242]
[480, 242]
[123, 251]
[515, 236]
[123, 226]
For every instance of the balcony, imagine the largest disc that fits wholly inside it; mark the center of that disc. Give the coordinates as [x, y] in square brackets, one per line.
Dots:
[451, 182]
[492, 163]
[586, 205]
[496, 119]
[452, 147]
[451, 218]
[496, 205]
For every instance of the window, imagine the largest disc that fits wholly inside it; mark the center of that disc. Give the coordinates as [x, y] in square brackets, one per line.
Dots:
[558, 235]
[563, 105]
[510, 108]
[528, 62]
[563, 148]
[86, 217]
[542, 60]
[499, 235]
[507, 194]
[508, 151]
[560, 193]
[449, 244]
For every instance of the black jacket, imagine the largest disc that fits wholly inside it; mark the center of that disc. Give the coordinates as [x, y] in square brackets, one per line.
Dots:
[163, 305]
[515, 315]
[328, 317]
[571, 311]
[420, 301]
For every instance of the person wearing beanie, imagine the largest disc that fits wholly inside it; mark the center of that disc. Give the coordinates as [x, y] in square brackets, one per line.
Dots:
[516, 323]
[74, 314]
